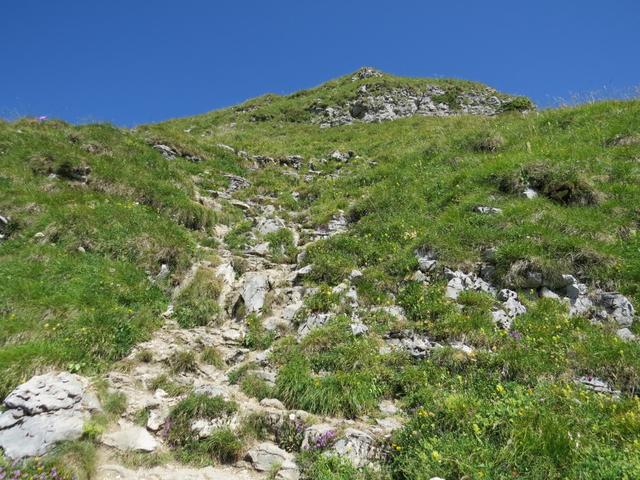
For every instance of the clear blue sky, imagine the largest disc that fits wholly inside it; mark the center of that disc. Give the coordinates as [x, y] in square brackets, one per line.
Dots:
[138, 61]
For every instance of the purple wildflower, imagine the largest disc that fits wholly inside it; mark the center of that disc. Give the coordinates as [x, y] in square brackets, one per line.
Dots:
[516, 335]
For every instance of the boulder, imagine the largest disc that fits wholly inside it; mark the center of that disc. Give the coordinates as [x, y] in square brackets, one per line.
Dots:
[625, 334]
[358, 447]
[358, 329]
[266, 456]
[254, 290]
[45, 410]
[597, 385]
[618, 307]
[269, 225]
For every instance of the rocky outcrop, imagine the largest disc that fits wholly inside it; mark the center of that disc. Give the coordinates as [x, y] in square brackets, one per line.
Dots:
[375, 102]
[45, 410]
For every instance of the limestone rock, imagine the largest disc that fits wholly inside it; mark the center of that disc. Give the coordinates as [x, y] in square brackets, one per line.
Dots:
[318, 436]
[266, 456]
[487, 210]
[625, 334]
[269, 225]
[130, 438]
[358, 447]
[415, 344]
[254, 290]
[312, 322]
[597, 385]
[618, 307]
[358, 329]
[45, 410]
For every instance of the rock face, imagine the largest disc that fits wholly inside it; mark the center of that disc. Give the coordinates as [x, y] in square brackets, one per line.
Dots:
[45, 410]
[375, 102]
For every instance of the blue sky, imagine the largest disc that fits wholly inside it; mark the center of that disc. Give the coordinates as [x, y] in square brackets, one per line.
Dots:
[136, 61]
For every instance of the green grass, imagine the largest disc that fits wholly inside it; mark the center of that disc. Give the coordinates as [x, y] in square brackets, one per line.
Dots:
[222, 445]
[509, 410]
[197, 304]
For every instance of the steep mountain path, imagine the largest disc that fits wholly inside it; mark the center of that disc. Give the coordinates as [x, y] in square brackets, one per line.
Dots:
[264, 287]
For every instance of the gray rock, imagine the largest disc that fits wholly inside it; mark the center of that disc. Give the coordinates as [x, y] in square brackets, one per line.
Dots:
[460, 281]
[272, 403]
[254, 290]
[581, 305]
[455, 287]
[513, 307]
[366, 72]
[341, 156]
[265, 456]
[487, 210]
[426, 264]
[166, 151]
[236, 183]
[358, 447]
[358, 329]
[546, 293]
[312, 322]
[318, 436]
[530, 193]
[355, 274]
[567, 280]
[618, 307]
[598, 385]
[130, 438]
[625, 334]
[269, 225]
[45, 410]
[226, 147]
[388, 407]
[502, 319]
[415, 344]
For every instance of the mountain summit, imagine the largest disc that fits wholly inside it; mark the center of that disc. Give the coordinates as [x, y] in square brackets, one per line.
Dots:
[370, 95]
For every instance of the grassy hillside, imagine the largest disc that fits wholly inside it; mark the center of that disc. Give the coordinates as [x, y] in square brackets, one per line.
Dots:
[95, 211]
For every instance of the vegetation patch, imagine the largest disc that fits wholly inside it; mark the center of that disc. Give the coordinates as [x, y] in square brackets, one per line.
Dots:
[197, 303]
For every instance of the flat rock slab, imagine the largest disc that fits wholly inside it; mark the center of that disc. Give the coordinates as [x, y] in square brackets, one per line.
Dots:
[45, 410]
[265, 456]
[175, 472]
[130, 437]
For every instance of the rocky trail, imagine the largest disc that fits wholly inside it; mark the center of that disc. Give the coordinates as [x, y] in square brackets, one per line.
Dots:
[263, 282]
[54, 407]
